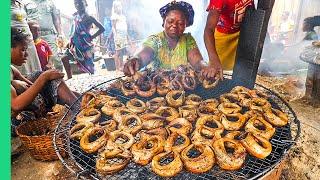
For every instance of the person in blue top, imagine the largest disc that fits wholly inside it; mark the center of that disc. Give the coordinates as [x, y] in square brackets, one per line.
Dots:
[107, 34]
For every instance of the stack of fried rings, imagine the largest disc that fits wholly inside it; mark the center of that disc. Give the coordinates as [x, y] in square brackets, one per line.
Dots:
[195, 134]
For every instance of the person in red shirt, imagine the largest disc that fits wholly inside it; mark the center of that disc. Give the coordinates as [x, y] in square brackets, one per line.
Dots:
[43, 49]
[221, 32]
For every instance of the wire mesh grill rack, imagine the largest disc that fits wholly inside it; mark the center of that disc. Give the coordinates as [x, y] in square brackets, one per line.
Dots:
[83, 164]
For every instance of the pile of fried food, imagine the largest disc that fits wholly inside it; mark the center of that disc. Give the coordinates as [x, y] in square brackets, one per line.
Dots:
[147, 83]
[177, 131]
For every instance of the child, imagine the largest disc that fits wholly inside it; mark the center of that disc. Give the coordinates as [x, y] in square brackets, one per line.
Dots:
[80, 47]
[43, 48]
[33, 97]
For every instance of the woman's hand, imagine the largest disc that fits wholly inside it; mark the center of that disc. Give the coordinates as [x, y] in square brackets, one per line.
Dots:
[131, 67]
[212, 71]
[52, 74]
[20, 85]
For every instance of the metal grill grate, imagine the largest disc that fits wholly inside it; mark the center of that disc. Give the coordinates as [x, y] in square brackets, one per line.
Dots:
[83, 164]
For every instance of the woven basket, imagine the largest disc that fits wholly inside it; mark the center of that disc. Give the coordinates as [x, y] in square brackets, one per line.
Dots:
[37, 136]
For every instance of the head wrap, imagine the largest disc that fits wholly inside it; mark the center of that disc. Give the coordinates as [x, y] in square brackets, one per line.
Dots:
[185, 7]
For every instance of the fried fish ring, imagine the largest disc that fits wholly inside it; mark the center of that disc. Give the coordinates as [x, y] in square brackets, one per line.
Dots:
[79, 129]
[189, 112]
[189, 82]
[259, 104]
[200, 164]
[127, 87]
[210, 126]
[257, 145]
[207, 110]
[88, 115]
[110, 107]
[108, 160]
[136, 105]
[276, 117]
[109, 125]
[260, 126]
[144, 150]
[146, 89]
[209, 83]
[233, 122]
[86, 99]
[171, 145]
[93, 146]
[155, 103]
[229, 161]
[180, 125]
[168, 112]
[130, 123]
[229, 98]
[163, 132]
[120, 139]
[163, 87]
[175, 98]
[154, 123]
[213, 103]
[168, 170]
[120, 113]
[193, 99]
[229, 108]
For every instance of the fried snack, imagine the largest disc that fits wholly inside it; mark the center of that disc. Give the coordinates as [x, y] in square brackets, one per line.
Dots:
[155, 103]
[193, 100]
[145, 88]
[86, 99]
[168, 112]
[233, 122]
[175, 98]
[206, 110]
[163, 86]
[93, 146]
[88, 115]
[229, 161]
[111, 161]
[229, 108]
[151, 121]
[170, 144]
[257, 145]
[110, 107]
[78, 130]
[259, 104]
[210, 83]
[258, 125]
[200, 164]
[127, 87]
[209, 126]
[230, 98]
[212, 103]
[276, 117]
[189, 112]
[109, 125]
[130, 123]
[188, 82]
[180, 125]
[144, 150]
[136, 105]
[163, 132]
[120, 113]
[168, 170]
[120, 139]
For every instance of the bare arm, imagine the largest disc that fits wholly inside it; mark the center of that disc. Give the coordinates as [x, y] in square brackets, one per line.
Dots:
[56, 18]
[195, 59]
[141, 59]
[19, 102]
[17, 75]
[209, 39]
[99, 25]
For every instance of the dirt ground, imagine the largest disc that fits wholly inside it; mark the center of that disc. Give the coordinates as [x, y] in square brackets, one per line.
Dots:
[303, 161]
